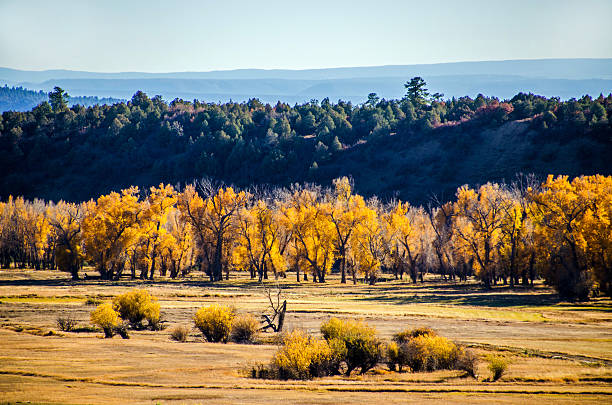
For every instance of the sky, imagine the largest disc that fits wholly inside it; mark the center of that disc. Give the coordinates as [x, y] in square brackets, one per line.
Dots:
[166, 36]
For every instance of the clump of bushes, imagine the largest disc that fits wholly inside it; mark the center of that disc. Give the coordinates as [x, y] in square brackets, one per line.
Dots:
[215, 322]
[351, 345]
[347, 345]
[497, 367]
[66, 323]
[300, 357]
[136, 306]
[179, 333]
[105, 317]
[245, 329]
[354, 342]
[423, 350]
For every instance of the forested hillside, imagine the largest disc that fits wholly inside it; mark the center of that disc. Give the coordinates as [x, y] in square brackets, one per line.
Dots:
[410, 148]
[20, 99]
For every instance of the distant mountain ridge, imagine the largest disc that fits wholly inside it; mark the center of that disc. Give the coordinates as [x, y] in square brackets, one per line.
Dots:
[565, 78]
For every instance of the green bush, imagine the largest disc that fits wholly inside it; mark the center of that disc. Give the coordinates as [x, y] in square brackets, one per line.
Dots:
[215, 322]
[245, 329]
[354, 342]
[497, 367]
[137, 305]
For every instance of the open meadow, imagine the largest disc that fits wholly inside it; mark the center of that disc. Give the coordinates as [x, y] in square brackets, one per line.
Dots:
[557, 352]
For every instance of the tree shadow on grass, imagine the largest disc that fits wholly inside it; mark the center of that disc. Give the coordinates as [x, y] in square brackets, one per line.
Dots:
[482, 299]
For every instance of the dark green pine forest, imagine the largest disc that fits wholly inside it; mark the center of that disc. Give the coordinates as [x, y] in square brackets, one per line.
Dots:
[412, 148]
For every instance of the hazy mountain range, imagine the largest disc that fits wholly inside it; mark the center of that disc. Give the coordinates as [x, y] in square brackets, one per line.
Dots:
[565, 78]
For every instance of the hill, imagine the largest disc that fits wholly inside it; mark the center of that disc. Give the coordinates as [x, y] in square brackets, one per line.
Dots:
[411, 148]
[20, 99]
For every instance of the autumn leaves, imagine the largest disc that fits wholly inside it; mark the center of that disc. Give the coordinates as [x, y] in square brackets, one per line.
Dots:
[559, 230]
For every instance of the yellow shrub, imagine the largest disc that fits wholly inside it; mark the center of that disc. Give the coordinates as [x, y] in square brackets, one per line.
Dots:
[215, 322]
[393, 356]
[406, 335]
[302, 357]
[430, 352]
[106, 318]
[245, 329]
[497, 367]
[136, 306]
[357, 346]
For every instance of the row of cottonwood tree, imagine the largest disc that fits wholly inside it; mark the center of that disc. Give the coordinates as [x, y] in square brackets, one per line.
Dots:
[560, 230]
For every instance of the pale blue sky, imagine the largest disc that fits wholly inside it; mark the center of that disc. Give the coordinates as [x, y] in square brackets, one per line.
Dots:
[162, 36]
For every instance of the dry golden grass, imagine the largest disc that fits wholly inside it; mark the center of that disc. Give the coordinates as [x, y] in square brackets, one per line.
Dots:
[558, 352]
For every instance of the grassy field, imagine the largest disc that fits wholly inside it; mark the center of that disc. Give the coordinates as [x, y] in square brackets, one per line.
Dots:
[558, 352]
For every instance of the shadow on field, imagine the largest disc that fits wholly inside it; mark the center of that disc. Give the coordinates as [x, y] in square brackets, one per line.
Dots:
[472, 298]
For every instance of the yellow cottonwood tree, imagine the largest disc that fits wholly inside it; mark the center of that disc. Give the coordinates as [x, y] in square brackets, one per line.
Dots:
[411, 233]
[65, 220]
[153, 236]
[346, 210]
[368, 248]
[110, 226]
[213, 221]
[574, 233]
[480, 217]
[180, 250]
[257, 246]
[313, 233]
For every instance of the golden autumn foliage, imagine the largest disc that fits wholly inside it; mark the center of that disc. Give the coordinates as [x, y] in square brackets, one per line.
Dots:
[213, 219]
[65, 220]
[106, 318]
[574, 226]
[110, 228]
[559, 230]
[215, 322]
[136, 306]
[258, 246]
[302, 357]
[307, 218]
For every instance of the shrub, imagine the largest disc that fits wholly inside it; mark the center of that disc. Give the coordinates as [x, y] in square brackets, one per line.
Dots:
[106, 318]
[66, 323]
[422, 349]
[93, 301]
[354, 342]
[179, 333]
[396, 357]
[303, 357]
[244, 329]
[429, 352]
[466, 361]
[122, 330]
[497, 366]
[332, 329]
[137, 305]
[406, 335]
[215, 322]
